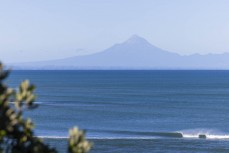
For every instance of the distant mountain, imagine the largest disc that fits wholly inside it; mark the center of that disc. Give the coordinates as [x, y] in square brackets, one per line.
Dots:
[135, 53]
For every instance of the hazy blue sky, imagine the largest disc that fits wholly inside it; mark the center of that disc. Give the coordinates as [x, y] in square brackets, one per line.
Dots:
[49, 29]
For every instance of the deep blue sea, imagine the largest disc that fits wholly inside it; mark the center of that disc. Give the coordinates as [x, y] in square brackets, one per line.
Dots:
[133, 111]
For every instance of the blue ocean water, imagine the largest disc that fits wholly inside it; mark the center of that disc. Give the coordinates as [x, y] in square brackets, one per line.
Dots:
[133, 111]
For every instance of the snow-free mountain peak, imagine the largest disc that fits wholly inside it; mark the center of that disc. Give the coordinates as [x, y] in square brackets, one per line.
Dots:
[135, 39]
[134, 53]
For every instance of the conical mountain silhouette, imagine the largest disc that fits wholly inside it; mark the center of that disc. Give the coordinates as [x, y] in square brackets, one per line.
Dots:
[135, 53]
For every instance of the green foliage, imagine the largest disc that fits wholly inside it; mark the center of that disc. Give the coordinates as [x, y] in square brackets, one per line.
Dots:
[16, 132]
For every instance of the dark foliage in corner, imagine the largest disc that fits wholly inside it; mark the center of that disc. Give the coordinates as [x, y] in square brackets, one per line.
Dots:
[16, 132]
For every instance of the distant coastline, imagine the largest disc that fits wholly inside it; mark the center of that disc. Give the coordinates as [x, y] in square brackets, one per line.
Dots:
[134, 54]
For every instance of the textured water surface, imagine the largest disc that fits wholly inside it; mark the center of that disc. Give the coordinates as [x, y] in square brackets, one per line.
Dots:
[133, 111]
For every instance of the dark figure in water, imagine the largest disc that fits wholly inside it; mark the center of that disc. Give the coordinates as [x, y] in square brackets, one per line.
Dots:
[202, 136]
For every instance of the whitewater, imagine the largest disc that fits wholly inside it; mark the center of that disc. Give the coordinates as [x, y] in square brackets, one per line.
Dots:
[136, 111]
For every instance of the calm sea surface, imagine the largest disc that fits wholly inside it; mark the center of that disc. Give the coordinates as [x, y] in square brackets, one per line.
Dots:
[133, 111]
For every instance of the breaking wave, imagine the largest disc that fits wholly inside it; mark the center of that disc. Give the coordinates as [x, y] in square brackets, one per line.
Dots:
[204, 133]
[185, 134]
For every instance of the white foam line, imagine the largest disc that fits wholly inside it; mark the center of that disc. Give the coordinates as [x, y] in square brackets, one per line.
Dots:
[140, 138]
[98, 138]
[208, 136]
[124, 138]
[218, 136]
[12, 102]
[52, 137]
[190, 136]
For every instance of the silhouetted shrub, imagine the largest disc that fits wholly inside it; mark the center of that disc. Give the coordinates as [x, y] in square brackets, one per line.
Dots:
[16, 132]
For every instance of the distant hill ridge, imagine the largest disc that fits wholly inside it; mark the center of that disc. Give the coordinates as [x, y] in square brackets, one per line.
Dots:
[135, 53]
